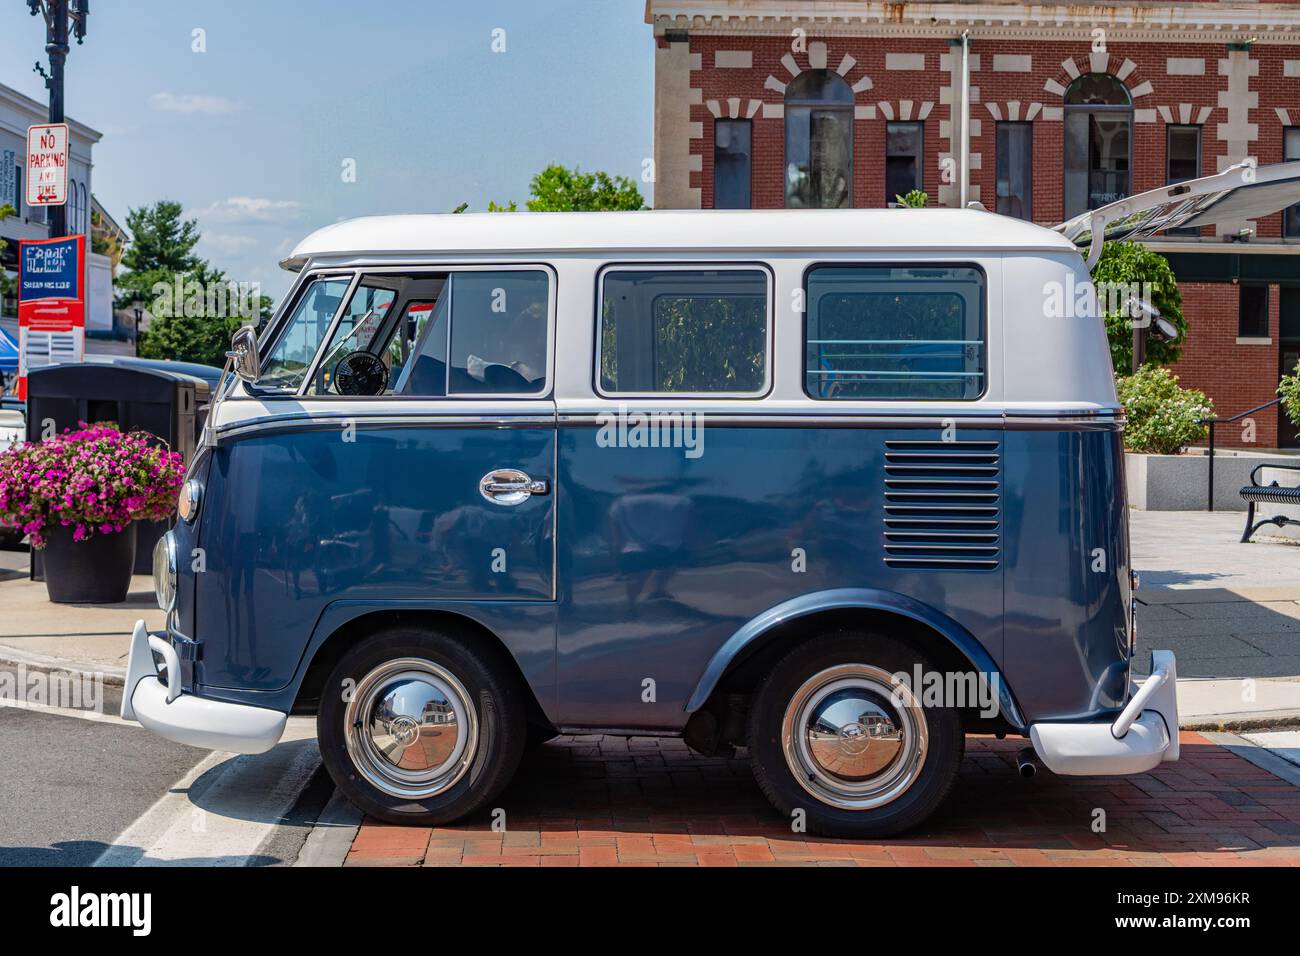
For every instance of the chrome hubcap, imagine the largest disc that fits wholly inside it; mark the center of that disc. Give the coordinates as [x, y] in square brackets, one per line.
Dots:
[854, 738]
[410, 728]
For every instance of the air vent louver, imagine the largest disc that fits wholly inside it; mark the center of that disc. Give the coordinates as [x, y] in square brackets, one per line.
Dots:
[942, 505]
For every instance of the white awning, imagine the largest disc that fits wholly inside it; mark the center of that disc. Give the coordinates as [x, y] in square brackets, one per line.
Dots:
[1237, 194]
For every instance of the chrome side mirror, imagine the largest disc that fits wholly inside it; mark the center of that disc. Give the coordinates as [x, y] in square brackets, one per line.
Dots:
[243, 354]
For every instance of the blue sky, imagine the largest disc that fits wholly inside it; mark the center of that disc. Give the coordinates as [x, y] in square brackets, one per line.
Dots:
[250, 136]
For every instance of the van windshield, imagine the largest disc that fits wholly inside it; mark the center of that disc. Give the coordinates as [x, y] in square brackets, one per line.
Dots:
[289, 360]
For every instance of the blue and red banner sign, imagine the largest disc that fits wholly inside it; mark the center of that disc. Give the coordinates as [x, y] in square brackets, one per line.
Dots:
[51, 304]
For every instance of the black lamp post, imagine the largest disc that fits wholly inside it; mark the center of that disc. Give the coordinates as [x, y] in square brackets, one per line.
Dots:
[1147, 320]
[138, 313]
[57, 14]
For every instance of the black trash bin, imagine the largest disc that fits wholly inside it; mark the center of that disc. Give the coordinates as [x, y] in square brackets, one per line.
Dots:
[139, 397]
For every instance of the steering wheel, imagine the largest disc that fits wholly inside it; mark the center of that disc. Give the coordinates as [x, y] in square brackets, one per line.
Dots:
[360, 373]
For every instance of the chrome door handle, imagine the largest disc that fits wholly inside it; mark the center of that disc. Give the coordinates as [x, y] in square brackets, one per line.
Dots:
[510, 486]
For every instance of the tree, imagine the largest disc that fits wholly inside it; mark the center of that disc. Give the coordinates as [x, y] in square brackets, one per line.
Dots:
[161, 240]
[1131, 265]
[559, 189]
[196, 324]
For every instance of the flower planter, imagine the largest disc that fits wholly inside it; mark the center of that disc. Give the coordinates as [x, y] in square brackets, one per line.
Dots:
[95, 477]
[94, 571]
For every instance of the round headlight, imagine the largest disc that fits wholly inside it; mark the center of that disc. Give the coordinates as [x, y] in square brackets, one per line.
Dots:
[187, 503]
[164, 571]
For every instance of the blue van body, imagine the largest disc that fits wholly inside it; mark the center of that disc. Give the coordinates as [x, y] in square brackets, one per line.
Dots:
[644, 588]
[329, 532]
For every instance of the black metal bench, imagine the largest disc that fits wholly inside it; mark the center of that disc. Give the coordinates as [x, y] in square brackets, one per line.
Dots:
[1255, 493]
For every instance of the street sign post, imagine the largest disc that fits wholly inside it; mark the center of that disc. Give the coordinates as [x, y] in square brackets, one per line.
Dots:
[51, 304]
[47, 164]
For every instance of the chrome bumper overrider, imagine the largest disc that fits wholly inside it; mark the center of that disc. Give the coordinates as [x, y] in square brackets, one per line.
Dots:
[184, 718]
[1143, 736]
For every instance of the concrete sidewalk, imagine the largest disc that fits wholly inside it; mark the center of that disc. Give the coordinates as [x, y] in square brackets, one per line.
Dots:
[1229, 611]
[94, 637]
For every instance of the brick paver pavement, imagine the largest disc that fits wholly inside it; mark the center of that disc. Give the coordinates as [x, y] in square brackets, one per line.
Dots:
[604, 801]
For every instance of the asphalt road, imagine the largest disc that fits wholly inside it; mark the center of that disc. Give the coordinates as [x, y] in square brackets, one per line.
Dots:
[78, 790]
[69, 786]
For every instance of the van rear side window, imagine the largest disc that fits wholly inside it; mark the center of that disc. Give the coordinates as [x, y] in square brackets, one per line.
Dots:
[895, 332]
[683, 331]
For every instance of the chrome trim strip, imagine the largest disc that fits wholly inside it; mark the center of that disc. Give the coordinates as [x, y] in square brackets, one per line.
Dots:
[1035, 422]
[1011, 422]
[317, 422]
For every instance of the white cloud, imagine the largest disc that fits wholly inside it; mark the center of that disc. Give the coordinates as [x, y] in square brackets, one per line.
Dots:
[226, 244]
[192, 103]
[250, 209]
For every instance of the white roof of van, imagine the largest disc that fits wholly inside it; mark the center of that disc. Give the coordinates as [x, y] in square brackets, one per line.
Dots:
[970, 230]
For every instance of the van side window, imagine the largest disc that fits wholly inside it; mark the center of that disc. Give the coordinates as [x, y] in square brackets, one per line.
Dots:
[494, 325]
[289, 360]
[683, 331]
[498, 332]
[895, 332]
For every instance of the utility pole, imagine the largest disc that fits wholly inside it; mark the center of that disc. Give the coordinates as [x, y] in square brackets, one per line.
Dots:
[57, 15]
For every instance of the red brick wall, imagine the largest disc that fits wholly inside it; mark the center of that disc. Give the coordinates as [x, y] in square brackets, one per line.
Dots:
[768, 183]
[1236, 377]
[1149, 161]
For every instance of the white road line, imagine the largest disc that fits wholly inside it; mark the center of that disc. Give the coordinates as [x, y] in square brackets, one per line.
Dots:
[101, 716]
[223, 810]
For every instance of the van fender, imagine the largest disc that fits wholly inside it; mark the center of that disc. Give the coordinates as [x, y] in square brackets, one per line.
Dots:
[870, 599]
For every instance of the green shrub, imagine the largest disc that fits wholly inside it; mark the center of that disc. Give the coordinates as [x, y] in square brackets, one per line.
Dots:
[1163, 419]
[1124, 264]
[916, 199]
[1289, 389]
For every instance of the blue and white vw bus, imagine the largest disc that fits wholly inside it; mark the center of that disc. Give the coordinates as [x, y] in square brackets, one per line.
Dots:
[827, 485]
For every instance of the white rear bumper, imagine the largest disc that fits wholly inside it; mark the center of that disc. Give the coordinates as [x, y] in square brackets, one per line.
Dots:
[184, 718]
[1143, 736]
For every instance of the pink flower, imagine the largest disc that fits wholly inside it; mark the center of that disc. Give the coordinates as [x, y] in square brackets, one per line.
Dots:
[95, 478]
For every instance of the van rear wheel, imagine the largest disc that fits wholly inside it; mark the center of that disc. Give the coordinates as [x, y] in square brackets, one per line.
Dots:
[832, 734]
[421, 726]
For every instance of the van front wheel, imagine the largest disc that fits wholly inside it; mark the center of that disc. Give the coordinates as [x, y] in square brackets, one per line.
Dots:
[834, 735]
[420, 727]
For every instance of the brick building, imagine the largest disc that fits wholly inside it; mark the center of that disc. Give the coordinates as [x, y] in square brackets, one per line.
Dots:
[1046, 111]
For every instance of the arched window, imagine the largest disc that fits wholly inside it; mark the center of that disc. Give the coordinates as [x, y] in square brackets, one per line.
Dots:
[70, 219]
[85, 209]
[818, 141]
[1098, 142]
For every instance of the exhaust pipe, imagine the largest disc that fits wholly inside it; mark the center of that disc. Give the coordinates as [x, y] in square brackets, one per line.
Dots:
[1025, 763]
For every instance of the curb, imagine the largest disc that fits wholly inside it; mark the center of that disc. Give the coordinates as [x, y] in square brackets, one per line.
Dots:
[111, 674]
[1258, 720]
[1259, 756]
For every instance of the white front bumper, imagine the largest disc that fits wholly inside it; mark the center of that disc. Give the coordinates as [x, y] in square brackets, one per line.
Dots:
[184, 718]
[1143, 736]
